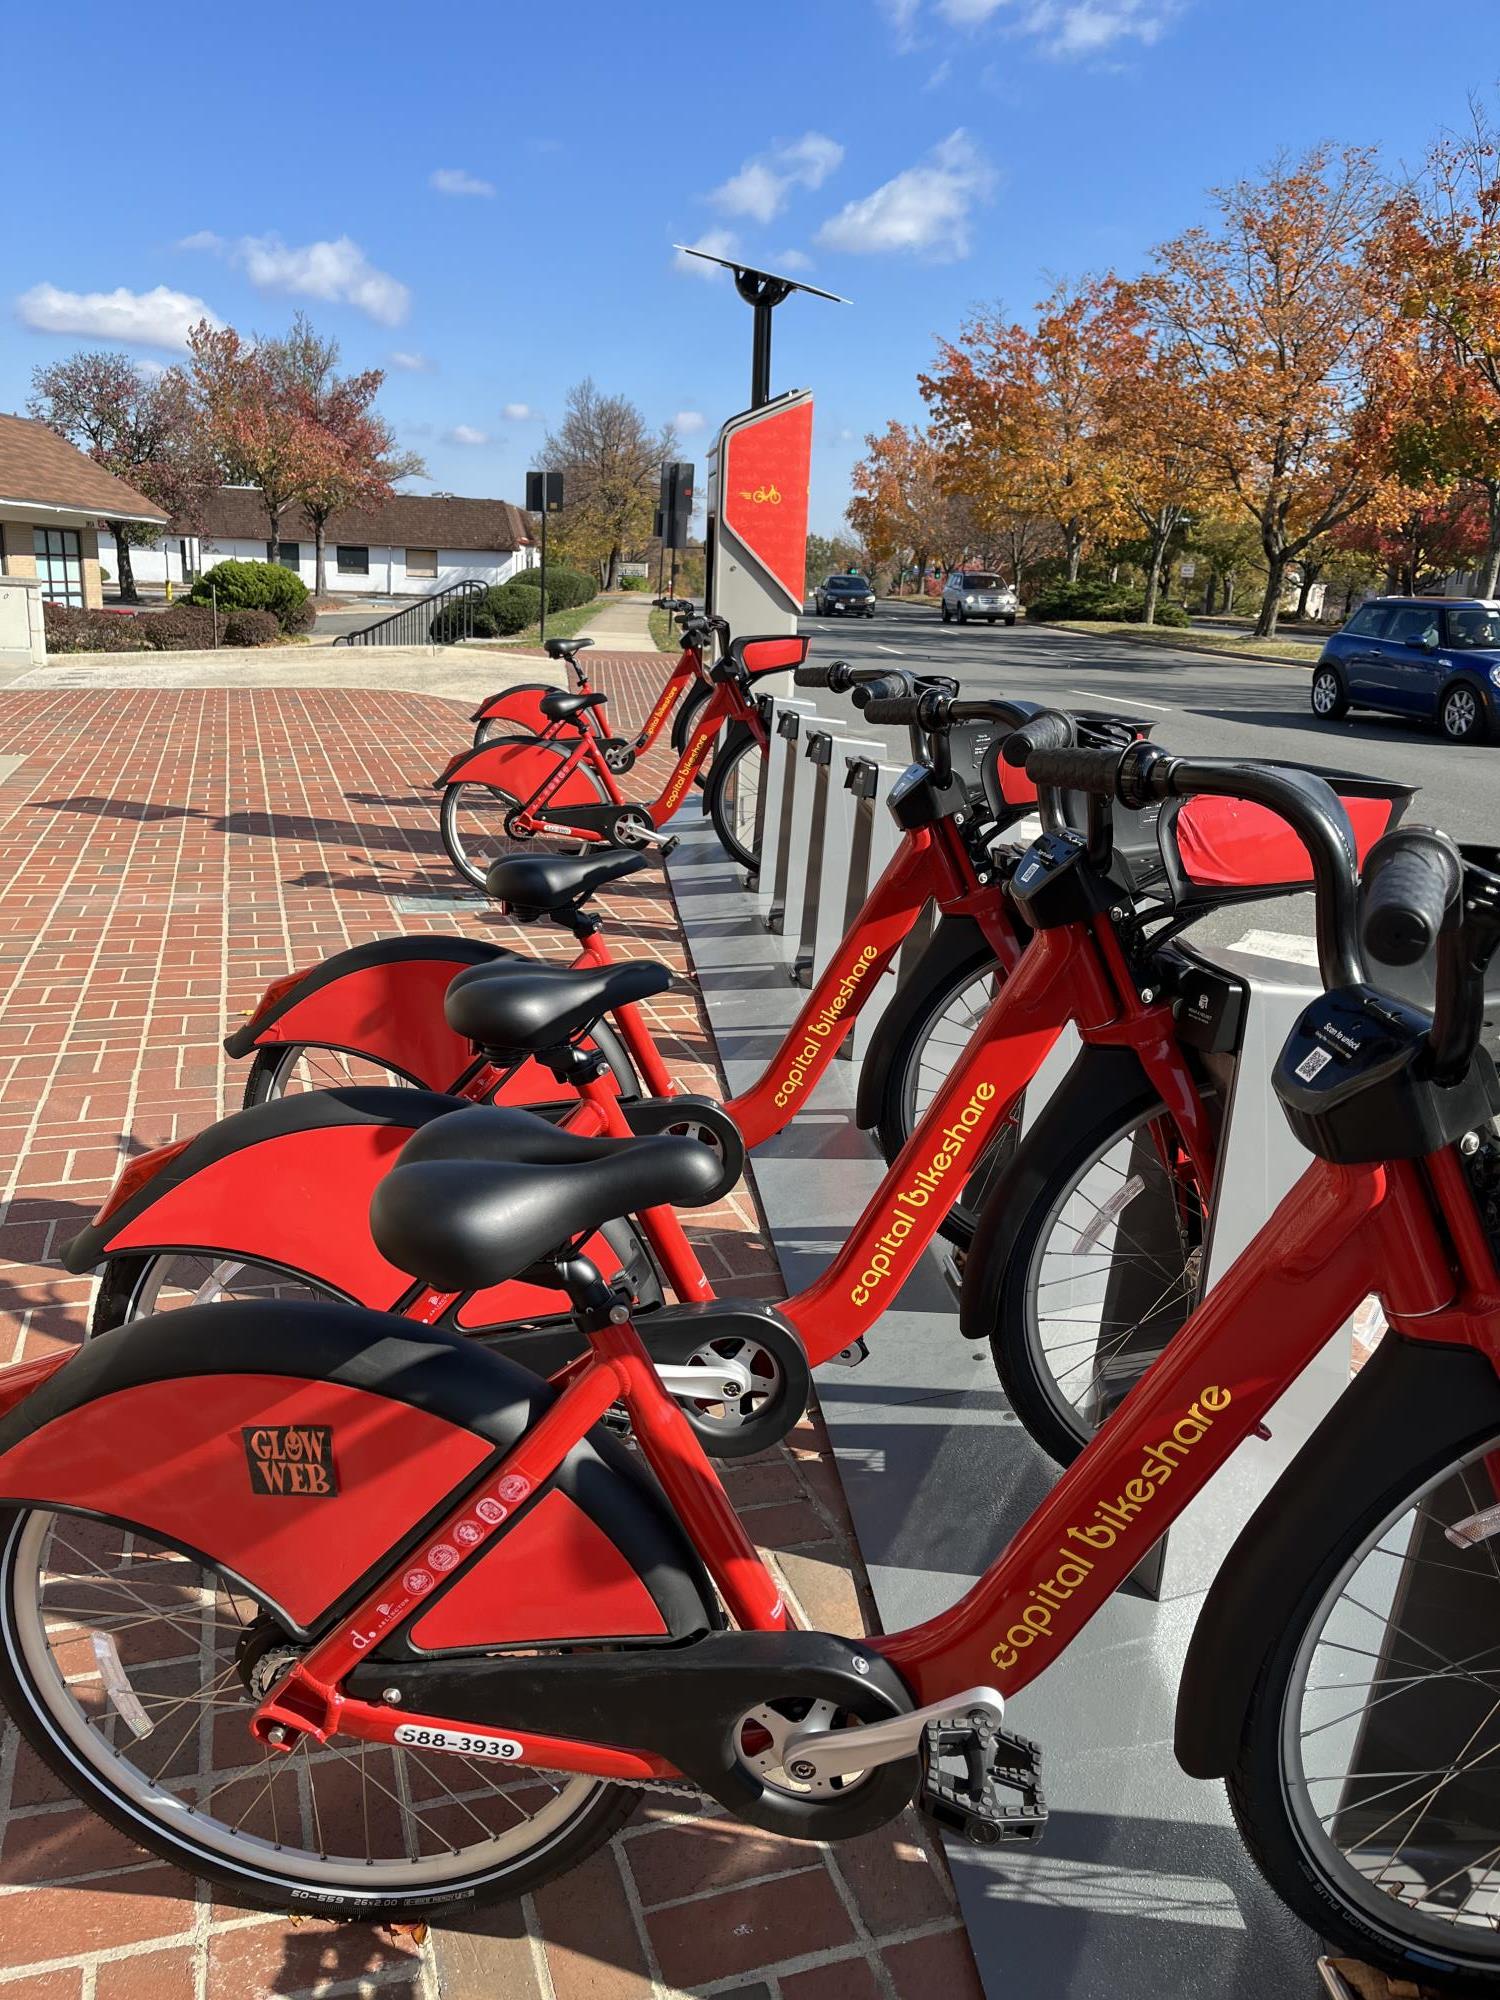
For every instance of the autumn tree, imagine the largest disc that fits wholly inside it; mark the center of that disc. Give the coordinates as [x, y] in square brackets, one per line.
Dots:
[255, 427]
[1282, 327]
[1440, 244]
[903, 504]
[827, 554]
[1019, 413]
[139, 427]
[611, 467]
[351, 458]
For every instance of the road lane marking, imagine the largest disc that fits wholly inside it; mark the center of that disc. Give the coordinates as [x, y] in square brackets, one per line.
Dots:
[900, 651]
[1087, 694]
[1285, 945]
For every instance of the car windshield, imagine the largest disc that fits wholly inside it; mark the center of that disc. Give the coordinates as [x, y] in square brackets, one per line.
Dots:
[845, 583]
[1474, 628]
[982, 580]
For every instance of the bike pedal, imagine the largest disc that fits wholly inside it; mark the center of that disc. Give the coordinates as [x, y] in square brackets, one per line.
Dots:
[967, 1772]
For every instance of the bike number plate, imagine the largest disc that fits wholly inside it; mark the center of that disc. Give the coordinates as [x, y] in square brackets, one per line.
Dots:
[458, 1742]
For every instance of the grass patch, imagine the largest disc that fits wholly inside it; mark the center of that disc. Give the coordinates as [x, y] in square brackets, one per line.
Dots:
[664, 633]
[1193, 639]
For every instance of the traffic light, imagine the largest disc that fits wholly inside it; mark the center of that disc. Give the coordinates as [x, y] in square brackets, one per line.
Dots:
[676, 504]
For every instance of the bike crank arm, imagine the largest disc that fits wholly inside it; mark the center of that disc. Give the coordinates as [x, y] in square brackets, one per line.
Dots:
[725, 1381]
[817, 1754]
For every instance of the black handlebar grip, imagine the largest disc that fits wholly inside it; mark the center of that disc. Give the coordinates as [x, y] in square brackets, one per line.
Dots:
[1410, 879]
[901, 708]
[1047, 731]
[811, 677]
[884, 689]
[1073, 769]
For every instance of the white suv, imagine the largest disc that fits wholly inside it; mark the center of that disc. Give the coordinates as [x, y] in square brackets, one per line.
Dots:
[978, 593]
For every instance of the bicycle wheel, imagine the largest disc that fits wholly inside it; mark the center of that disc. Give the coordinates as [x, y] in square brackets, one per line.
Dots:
[1366, 1783]
[1106, 1266]
[733, 797]
[935, 1038]
[686, 718]
[133, 1667]
[473, 816]
[290, 1067]
[143, 1285]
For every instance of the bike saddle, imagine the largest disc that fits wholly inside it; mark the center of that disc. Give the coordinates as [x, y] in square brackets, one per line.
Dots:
[540, 1007]
[539, 885]
[458, 1224]
[564, 649]
[505, 1135]
[562, 707]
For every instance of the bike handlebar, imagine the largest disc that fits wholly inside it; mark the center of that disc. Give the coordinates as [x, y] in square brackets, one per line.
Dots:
[839, 677]
[1411, 878]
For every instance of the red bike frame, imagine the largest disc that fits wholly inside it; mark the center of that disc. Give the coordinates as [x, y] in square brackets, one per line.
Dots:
[687, 669]
[1407, 1230]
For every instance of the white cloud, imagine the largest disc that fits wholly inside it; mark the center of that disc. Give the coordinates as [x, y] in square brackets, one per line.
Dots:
[687, 421]
[925, 209]
[466, 434]
[761, 187]
[453, 180]
[717, 243]
[518, 413]
[414, 364]
[791, 260]
[338, 271]
[1063, 27]
[158, 318]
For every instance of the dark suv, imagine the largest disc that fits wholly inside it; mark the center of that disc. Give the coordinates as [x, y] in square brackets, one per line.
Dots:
[1428, 656]
[854, 594]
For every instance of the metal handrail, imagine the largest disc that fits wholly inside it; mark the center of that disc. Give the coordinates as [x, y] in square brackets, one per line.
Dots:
[412, 624]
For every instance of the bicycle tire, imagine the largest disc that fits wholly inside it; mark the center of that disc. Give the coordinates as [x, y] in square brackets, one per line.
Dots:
[733, 797]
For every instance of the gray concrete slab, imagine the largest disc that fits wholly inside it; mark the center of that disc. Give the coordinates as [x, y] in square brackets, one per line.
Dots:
[1141, 1887]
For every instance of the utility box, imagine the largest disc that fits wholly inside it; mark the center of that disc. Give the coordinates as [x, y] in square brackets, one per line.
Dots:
[758, 475]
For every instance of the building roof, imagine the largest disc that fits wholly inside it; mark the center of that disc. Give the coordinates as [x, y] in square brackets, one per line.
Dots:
[40, 469]
[407, 520]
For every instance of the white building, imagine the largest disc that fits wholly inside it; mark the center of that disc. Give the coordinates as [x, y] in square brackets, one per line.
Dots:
[408, 546]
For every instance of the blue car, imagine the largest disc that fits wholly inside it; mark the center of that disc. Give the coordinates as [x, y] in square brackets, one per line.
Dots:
[1428, 656]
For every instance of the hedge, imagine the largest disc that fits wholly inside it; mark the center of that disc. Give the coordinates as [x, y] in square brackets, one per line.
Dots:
[251, 628]
[257, 586]
[1091, 598]
[504, 609]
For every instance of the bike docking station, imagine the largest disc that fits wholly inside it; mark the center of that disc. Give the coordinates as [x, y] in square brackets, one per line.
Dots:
[1141, 1886]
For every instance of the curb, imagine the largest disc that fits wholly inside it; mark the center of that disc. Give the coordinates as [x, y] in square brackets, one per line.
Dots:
[1081, 630]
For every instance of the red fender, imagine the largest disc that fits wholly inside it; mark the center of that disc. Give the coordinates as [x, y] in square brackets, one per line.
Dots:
[521, 707]
[289, 1184]
[519, 766]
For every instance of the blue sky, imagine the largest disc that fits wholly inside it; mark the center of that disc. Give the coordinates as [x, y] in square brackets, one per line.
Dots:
[482, 199]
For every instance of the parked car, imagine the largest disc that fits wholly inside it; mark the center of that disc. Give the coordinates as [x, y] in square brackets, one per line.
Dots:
[978, 593]
[1427, 656]
[853, 594]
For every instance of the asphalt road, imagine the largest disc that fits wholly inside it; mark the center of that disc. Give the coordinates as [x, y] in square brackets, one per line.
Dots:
[1211, 706]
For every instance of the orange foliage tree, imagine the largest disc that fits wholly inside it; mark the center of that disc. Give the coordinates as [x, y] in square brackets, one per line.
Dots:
[903, 504]
[1285, 331]
[1440, 246]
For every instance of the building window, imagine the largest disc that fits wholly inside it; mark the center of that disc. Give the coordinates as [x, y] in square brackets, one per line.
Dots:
[421, 562]
[59, 564]
[289, 554]
[352, 561]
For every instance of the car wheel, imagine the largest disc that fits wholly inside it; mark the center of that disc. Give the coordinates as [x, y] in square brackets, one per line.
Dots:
[990, 621]
[962, 615]
[1329, 696]
[943, 613]
[1461, 712]
[1011, 620]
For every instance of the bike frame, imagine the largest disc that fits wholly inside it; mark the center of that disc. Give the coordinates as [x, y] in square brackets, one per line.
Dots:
[687, 669]
[727, 703]
[1407, 1230]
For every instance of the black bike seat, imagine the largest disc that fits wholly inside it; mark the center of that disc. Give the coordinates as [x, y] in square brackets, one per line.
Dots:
[568, 707]
[459, 1224]
[564, 649]
[505, 1135]
[544, 883]
[540, 1006]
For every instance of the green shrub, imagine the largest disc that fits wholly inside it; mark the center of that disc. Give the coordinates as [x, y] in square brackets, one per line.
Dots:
[251, 628]
[1096, 598]
[635, 583]
[257, 586]
[565, 587]
[504, 609]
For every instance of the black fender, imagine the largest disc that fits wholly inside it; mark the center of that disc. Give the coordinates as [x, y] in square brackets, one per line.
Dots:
[1397, 1422]
[729, 741]
[955, 942]
[150, 1365]
[459, 952]
[687, 708]
[1100, 1083]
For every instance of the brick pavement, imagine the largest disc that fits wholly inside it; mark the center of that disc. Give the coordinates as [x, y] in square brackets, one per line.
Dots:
[166, 853]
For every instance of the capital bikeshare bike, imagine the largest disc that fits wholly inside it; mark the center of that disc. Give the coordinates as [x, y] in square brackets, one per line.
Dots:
[561, 786]
[684, 691]
[390, 1628]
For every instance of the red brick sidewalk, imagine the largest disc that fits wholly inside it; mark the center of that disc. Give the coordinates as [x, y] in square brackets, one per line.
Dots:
[166, 853]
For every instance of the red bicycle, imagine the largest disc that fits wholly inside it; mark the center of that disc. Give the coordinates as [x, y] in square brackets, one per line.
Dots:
[520, 708]
[296, 1652]
[562, 785]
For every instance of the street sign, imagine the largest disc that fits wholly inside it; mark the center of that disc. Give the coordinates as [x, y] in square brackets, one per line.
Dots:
[544, 492]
